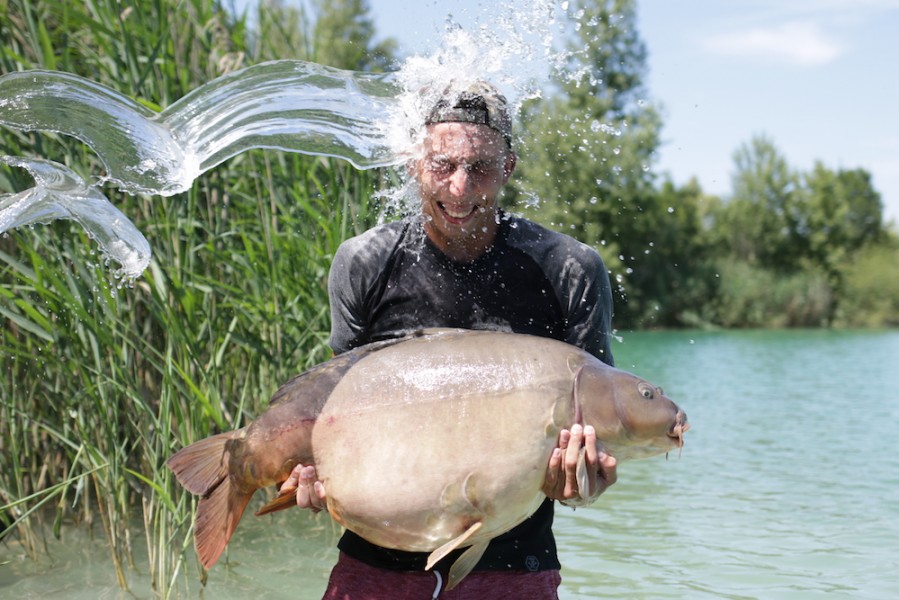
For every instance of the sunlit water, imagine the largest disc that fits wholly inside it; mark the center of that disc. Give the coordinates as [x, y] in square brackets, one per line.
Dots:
[788, 488]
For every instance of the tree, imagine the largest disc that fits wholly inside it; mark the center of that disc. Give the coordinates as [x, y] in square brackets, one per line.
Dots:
[589, 147]
[840, 212]
[344, 37]
[337, 33]
[758, 224]
[674, 272]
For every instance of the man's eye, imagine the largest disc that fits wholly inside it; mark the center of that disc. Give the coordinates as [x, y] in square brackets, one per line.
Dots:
[441, 167]
[479, 169]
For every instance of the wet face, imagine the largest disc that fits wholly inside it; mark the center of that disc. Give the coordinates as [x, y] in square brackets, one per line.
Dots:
[461, 172]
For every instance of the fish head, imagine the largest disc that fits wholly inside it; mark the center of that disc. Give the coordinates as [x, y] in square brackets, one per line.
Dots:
[632, 417]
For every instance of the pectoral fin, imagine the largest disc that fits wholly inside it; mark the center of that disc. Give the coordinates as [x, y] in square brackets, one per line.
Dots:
[584, 493]
[451, 545]
[464, 564]
[583, 476]
[285, 499]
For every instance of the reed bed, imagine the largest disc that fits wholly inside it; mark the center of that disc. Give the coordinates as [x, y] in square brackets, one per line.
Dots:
[103, 379]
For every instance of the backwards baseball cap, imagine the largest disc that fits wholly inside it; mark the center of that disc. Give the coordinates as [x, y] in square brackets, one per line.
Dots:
[479, 102]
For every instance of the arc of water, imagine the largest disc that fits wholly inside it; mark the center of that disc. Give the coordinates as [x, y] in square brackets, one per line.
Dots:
[60, 193]
[288, 105]
[294, 106]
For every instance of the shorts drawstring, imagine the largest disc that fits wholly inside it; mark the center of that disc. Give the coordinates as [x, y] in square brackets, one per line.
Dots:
[439, 585]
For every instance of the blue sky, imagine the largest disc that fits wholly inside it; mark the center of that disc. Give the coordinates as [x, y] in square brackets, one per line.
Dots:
[818, 77]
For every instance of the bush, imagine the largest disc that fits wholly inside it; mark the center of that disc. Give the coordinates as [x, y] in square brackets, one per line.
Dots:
[871, 288]
[750, 296]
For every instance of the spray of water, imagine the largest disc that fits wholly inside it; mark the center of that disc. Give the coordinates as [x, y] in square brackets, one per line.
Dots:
[59, 193]
[370, 120]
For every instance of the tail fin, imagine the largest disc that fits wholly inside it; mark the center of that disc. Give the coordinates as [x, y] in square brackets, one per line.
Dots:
[202, 468]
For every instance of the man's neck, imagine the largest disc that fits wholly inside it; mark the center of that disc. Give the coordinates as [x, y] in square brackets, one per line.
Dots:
[468, 249]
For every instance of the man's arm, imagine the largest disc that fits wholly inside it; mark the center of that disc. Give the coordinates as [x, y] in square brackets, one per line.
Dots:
[354, 281]
[586, 295]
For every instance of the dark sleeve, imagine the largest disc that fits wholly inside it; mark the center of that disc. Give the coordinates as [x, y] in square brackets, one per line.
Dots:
[586, 297]
[581, 283]
[353, 279]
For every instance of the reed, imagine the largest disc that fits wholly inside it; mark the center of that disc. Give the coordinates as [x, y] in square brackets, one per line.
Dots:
[102, 380]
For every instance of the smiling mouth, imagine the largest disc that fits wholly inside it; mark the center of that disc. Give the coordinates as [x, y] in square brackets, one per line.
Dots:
[457, 214]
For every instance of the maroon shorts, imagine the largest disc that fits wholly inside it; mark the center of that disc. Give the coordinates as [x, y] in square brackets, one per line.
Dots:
[355, 580]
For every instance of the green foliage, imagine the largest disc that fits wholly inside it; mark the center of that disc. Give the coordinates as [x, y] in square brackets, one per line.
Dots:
[102, 381]
[794, 227]
[870, 295]
[756, 223]
[337, 33]
[344, 37]
[840, 213]
[673, 274]
[752, 296]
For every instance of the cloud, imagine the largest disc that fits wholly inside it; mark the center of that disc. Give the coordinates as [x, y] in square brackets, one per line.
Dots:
[798, 43]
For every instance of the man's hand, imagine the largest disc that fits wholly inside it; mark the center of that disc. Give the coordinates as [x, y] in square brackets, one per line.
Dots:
[562, 473]
[310, 491]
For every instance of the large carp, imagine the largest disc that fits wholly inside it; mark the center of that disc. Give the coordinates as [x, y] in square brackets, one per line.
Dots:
[428, 443]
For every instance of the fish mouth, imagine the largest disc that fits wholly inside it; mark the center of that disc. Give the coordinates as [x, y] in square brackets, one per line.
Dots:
[679, 428]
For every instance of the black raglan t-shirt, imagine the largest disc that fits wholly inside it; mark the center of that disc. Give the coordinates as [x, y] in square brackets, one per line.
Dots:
[392, 280]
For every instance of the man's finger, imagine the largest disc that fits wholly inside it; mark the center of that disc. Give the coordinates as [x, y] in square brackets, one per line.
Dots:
[572, 452]
[590, 445]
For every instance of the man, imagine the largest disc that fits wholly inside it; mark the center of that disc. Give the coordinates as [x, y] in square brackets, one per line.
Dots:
[465, 263]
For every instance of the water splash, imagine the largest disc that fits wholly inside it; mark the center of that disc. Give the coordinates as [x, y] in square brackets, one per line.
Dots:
[60, 193]
[294, 106]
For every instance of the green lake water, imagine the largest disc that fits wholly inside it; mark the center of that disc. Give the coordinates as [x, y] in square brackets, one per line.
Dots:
[787, 488]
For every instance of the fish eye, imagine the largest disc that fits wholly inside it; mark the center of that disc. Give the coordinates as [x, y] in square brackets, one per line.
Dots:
[645, 390]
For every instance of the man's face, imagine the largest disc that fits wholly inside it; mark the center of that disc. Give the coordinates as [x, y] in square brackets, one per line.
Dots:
[461, 172]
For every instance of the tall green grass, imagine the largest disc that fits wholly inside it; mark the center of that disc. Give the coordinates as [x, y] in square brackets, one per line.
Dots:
[103, 380]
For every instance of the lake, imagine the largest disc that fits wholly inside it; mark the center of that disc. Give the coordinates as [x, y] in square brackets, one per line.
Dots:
[787, 488]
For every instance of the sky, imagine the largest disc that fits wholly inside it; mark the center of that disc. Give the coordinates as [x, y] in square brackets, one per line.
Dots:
[817, 77]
